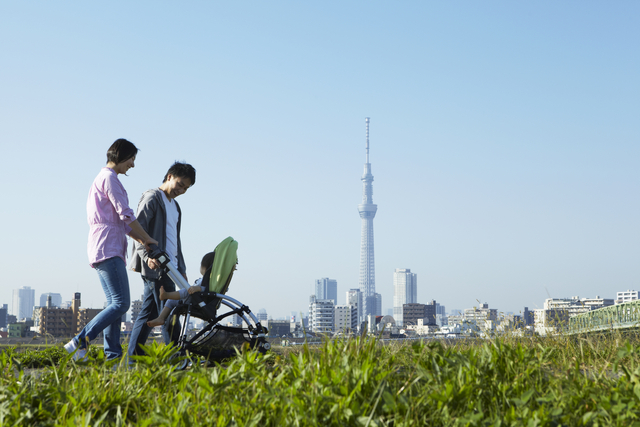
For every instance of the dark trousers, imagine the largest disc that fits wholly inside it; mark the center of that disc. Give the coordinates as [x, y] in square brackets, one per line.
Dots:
[151, 307]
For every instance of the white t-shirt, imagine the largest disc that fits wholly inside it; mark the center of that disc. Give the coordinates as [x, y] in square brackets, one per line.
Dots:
[172, 229]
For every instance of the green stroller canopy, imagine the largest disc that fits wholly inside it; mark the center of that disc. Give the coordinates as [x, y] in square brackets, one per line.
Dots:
[224, 263]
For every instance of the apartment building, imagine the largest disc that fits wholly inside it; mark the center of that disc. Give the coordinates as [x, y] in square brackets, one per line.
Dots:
[626, 296]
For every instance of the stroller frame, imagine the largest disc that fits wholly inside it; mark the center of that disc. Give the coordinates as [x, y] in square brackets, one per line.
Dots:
[203, 305]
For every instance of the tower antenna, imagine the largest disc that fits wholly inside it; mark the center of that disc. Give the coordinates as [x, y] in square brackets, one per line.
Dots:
[366, 120]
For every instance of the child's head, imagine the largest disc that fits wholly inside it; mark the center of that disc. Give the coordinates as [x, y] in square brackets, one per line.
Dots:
[206, 263]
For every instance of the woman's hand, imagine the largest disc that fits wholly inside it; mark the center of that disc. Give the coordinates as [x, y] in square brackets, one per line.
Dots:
[153, 264]
[149, 241]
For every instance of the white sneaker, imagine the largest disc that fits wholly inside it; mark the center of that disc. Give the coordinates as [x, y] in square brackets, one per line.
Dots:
[72, 346]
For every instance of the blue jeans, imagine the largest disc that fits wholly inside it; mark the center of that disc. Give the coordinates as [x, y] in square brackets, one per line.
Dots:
[115, 283]
[151, 307]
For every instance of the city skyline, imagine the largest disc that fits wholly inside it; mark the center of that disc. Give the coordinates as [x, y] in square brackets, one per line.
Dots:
[402, 277]
[504, 140]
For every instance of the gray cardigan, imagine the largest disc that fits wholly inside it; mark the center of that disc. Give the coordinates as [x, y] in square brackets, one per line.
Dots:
[152, 216]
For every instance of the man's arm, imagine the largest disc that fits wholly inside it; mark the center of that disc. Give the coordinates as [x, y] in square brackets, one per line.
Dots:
[147, 209]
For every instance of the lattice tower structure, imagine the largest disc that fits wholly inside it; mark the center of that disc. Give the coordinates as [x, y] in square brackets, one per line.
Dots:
[367, 210]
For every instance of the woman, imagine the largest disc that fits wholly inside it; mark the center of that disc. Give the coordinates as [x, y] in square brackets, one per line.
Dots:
[110, 220]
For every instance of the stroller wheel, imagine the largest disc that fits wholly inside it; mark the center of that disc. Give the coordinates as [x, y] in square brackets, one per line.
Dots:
[183, 364]
[183, 361]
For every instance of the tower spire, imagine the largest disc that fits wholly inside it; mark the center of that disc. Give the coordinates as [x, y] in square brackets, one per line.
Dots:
[367, 212]
[366, 120]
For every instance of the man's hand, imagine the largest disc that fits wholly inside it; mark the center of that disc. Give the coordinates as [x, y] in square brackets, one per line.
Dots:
[153, 264]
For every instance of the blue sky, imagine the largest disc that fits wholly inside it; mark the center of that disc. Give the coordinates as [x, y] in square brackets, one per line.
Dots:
[504, 141]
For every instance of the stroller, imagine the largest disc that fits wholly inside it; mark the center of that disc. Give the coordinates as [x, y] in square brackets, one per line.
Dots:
[214, 341]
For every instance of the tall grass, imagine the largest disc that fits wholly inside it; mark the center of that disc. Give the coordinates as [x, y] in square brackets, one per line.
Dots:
[353, 382]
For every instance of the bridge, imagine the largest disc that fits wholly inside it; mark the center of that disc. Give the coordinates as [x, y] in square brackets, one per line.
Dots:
[619, 316]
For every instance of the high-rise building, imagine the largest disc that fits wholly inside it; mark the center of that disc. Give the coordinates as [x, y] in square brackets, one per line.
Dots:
[405, 291]
[378, 302]
[56, 299]
[262, 316]
[441, 315]
[327, 289]
[528, 317]
[375, 303]
[23, 302]
[367, 212]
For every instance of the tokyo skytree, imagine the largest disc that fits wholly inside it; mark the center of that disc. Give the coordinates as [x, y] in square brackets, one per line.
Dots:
[367, 260]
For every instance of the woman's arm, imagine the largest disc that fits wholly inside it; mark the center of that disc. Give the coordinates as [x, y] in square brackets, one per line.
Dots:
[138, 234]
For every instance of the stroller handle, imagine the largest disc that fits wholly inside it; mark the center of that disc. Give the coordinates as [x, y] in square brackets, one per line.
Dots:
[166, 266]
[156, 252]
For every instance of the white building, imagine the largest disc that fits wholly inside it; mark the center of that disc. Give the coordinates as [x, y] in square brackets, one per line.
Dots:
[483, 318]
[576, 305]
[343, 318]
[626, 296]
[449, 331]
[136, 308]
[23, 302]
[405, 291]
[549, 321]
[321, 315]
[354, 299]
[421, 329]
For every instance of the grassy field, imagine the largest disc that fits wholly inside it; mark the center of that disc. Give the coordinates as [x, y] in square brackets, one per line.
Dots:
[358, 382]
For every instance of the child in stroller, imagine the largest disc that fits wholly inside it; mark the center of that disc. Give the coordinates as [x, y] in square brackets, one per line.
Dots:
[181, 294]
[214, 341]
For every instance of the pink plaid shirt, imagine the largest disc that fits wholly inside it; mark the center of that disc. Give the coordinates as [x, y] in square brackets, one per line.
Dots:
[109, 216]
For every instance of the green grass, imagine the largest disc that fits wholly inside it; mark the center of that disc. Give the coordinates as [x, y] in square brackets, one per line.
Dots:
[358, 382]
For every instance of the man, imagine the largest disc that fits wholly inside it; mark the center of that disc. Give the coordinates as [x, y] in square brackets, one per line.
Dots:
[159, 214]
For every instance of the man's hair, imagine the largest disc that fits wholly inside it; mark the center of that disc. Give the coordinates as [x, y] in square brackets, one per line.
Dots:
[121, 151]
[181, 170]
[207, 262]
